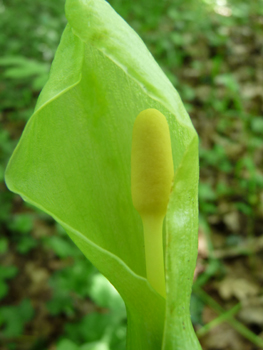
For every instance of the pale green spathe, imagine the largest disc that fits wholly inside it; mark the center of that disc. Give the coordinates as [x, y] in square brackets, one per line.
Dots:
[73, 161]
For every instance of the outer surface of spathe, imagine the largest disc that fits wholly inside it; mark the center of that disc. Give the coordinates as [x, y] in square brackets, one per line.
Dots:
[73, 161]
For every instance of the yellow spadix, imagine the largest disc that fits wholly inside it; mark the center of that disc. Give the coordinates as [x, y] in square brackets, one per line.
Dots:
[151, 180]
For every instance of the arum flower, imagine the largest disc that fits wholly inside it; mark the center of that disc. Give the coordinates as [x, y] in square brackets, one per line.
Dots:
[74, 162]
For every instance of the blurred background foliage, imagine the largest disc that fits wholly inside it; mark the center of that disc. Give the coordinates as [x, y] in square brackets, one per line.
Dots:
[51, 297]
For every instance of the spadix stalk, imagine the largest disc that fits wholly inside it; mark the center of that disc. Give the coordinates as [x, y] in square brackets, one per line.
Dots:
[152, 174]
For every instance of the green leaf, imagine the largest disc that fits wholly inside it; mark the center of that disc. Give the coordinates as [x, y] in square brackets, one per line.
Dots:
[66, 344]
[73, 162]
[7, 272]
[105, 295]
[22, 223]
[60, 246]
[91, 328]
[3, 245]
[14, 318]
[18, 67]
[3, 289]
[63, 282]
[95, 346]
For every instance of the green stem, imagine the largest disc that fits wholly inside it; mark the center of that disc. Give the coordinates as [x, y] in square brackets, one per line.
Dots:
[153, 239]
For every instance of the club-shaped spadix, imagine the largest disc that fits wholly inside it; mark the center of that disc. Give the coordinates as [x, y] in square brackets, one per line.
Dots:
[152, 174]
